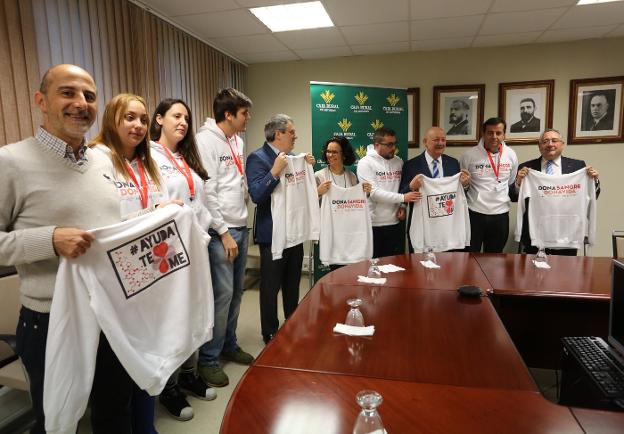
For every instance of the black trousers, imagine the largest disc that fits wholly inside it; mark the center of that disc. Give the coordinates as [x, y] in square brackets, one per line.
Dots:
[388, 240]
[111, 394]
[489, 231]
[31, 334]
[112, 386]
[283, 273]
[531, 250]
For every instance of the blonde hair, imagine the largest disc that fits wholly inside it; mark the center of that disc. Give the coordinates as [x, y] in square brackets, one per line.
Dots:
[114, 112]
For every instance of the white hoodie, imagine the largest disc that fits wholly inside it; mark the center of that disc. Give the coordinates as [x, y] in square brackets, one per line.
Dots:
[487, 194]
[144, 284]
[226, 190]
[177, 185]
[385, 177]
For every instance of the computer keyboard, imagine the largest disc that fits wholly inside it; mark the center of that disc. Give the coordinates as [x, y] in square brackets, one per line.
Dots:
[598, 361]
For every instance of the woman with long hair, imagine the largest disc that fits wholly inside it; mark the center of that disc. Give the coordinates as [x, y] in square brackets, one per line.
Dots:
[124, 139]
[174, 149]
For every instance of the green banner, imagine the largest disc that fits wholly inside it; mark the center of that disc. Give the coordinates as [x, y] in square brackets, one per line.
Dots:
[355, 112]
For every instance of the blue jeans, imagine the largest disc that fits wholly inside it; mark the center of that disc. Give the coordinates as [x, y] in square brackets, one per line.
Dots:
[227, 287]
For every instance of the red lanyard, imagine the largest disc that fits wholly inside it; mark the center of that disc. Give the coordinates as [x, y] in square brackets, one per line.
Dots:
[500, 156]
[142, 187]
[235, 155]
[184, 170]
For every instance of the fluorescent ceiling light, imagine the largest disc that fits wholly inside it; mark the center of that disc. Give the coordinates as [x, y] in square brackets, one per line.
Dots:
[296, 16]
[594, 2]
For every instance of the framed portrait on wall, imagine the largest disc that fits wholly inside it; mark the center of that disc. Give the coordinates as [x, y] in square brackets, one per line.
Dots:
[527, 107]
[413, 118]
[459, 111]
[596, 111]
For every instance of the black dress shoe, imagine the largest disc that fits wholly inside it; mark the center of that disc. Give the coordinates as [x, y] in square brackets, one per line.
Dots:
[268, 338]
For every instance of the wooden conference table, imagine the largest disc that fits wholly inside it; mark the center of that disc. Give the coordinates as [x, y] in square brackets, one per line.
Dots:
[443, 364]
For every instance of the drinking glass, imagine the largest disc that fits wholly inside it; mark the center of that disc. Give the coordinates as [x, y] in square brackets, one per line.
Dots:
[373, 269]
[541, 256]
[430, 255]
[354, 316]
[368, 421]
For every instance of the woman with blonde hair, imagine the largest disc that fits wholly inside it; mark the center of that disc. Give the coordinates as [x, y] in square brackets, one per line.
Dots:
[124, 138]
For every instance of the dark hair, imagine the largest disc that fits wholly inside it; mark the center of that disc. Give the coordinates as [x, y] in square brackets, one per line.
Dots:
[494, 122]
[229, 100]
[528, 100]
[347, 151]
[187, 146]
[463, 103]
[382, 132]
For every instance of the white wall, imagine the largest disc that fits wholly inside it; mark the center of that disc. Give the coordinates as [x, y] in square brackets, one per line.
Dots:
[284, 88]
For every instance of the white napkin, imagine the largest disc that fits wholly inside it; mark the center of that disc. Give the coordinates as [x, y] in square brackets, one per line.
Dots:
[390, 268]
[374, 280]
[543, 265]
[354, 330]
[429, 264]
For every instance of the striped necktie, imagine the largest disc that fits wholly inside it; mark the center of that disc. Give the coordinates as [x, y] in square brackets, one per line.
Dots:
[436, 172]
[550, 170]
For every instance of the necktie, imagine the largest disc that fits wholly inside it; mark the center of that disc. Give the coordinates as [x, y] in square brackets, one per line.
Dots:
[550, 170]
[436, 173]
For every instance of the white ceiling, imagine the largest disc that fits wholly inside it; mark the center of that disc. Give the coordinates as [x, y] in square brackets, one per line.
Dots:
[391, 26]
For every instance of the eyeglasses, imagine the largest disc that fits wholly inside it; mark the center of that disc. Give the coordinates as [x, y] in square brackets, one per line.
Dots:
[553, 141]
[389, 145]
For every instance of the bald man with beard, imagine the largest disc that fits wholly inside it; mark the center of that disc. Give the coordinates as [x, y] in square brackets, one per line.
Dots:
[431, 161]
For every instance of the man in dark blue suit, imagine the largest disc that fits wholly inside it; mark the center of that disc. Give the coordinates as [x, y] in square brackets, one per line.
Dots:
[263, 170]
[551, 145]
[431, 163]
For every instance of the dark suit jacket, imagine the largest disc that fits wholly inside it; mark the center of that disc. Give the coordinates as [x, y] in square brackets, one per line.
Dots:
[418, 165]
[568, 165]
[460, 128]
[261, 184]
[533, 126]
[606, 123]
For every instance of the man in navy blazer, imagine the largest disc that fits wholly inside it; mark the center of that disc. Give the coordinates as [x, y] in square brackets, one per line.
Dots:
[423, 165]
[263, 170]
[551, 145]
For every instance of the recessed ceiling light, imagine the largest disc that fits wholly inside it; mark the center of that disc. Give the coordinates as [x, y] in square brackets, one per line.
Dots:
[593, 2]
[296, 16]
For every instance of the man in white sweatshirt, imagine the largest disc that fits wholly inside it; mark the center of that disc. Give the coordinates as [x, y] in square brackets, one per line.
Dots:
[222, 153]
[492, 166]
[382, 168]
[52, 189]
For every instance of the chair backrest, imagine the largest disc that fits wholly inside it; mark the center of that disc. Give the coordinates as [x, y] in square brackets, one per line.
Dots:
[9, 309]
[617, 237]
[12, 374]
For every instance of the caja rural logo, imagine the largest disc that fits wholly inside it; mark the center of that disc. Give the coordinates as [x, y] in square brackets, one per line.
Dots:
[327, 96]
[375, 125]
[361, 99]
[140, 263]
[344, 125]
[393, 109]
